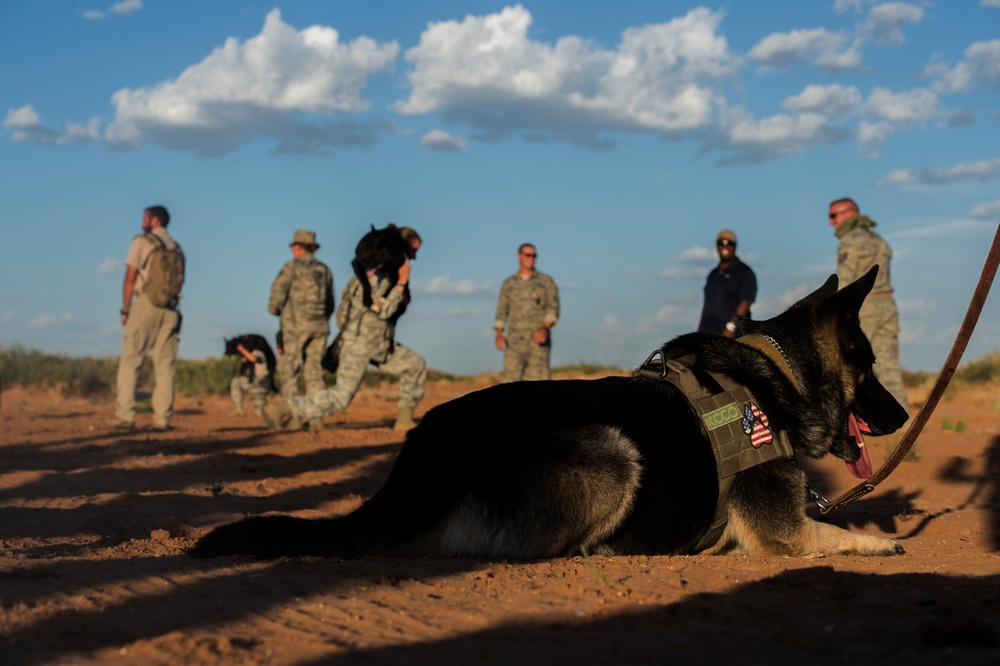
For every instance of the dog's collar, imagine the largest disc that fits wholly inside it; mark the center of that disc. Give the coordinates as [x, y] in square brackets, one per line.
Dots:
[770, 348]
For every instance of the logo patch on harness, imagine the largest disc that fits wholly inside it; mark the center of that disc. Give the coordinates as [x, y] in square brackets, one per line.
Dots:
[755, 425]
[722, 416]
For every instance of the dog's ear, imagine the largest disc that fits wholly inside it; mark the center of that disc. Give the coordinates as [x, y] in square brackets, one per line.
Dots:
[828, 289]
[850, 298]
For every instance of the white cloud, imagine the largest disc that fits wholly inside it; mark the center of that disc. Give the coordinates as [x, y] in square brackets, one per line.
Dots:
[780, 135]
[126, 7]
[990, 3]
[443, 141]
[981, 66]
[872, 137]
[828, 50]
[915, 308]
[845, 6]
[987, 210]
[831, 100]
[681, 273]
[45, 320]
[26, 125]
[951, 229]
[668, 318]
[258, 87]
[485, 72]
[885, 21]
[445, 285]
[698, 254]
[771, 306]
[983, 171]
[910, 106]
[109, 266]
[93, 15]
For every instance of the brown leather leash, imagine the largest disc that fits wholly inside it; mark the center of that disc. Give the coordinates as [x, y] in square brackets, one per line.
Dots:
[944, 377]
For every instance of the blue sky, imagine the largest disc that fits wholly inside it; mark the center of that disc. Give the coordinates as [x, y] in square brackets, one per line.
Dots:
[617, 137]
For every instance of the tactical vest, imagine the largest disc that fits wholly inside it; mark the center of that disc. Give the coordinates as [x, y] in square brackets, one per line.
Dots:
[737, 428]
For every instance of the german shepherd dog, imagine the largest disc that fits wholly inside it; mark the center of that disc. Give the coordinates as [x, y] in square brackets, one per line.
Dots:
[619, 465]
[379, 247]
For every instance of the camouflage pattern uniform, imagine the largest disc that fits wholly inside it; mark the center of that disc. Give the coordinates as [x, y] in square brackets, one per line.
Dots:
[861, 248]
[302, 296]
[256, 383]
[525, 305]
[368, 338]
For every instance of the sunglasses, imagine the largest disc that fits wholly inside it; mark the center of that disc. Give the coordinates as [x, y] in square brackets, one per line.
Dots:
[840, 212]
[529, 255]
[724, 243]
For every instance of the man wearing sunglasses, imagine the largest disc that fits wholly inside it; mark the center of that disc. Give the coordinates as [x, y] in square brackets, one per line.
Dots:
[861, 248]
[529, 308]
[730, 289]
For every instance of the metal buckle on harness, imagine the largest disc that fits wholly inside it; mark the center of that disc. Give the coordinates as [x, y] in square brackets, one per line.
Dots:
[663, 362]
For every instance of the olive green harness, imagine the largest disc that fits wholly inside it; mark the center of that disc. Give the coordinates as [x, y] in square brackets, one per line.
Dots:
[738, 430]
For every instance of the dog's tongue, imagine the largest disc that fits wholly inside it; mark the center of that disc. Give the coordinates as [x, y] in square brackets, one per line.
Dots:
[862, 467]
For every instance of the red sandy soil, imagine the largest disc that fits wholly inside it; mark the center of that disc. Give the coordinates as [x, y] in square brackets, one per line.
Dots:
[95, 525]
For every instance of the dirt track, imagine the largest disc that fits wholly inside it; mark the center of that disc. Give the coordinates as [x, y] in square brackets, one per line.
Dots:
[94, 525]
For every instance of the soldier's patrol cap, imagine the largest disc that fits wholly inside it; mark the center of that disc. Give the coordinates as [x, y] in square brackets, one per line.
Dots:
[726, 234]
[304, 237]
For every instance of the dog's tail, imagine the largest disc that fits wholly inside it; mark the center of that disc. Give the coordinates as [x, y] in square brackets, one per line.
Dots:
[381, 526]
[267, 537]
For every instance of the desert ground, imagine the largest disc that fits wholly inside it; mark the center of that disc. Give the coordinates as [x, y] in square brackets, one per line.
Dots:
[95, 525]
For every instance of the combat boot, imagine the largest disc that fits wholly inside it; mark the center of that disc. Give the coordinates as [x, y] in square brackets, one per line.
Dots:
[404, 421]
[279, 416]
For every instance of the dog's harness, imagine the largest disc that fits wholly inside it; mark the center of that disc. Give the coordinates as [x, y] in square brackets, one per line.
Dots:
[739, 431]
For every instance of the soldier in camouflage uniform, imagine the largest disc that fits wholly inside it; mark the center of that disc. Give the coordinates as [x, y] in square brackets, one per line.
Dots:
[302, 297]
[368, 337]
[529, 307]
[861, 248]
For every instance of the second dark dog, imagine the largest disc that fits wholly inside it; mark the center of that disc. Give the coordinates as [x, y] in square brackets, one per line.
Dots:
[384, 248]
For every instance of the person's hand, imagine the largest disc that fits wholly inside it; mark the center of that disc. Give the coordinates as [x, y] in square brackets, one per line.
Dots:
[501, 341]
[124, 318]
[404, 272]
[541, 336]
[726, 333]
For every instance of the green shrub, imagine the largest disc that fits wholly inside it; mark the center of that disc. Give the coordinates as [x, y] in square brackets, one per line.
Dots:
[210, 375]
[77, 377]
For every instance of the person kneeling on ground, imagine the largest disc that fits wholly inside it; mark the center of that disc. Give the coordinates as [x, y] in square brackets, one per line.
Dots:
[368, 337]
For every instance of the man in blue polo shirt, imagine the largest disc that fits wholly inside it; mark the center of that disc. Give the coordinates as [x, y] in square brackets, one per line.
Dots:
[729, 290]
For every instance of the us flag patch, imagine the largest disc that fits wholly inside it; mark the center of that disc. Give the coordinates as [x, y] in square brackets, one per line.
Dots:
[755, 425]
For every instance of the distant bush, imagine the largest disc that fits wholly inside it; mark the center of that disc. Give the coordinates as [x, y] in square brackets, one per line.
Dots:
[977, 371]
[981, 370]
[210, 375]
[71, 376]
[586, 369]
[95, 377]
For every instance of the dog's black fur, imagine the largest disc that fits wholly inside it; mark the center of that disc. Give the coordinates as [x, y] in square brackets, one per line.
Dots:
[252, 342]
[380, 247]
[620, 465]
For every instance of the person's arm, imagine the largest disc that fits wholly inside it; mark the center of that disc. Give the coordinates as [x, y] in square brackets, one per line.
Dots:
[742, 310]
[503, 308]
[330, 305]
[246, 354]
[279, 290]
[128, 290]
[385, 307]
[541, 336]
